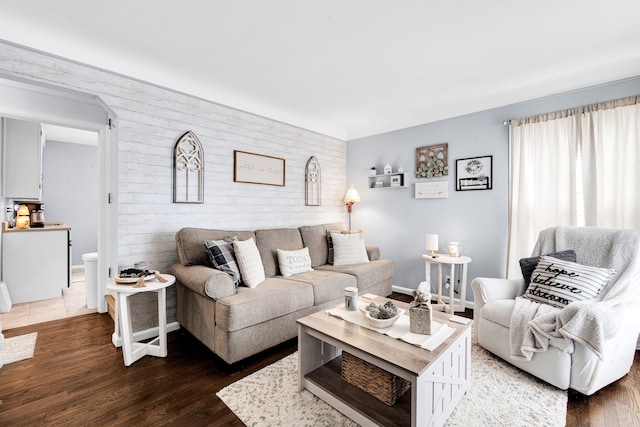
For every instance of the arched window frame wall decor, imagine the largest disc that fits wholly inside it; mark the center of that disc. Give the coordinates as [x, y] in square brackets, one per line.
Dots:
[188, 164]
[313, 181]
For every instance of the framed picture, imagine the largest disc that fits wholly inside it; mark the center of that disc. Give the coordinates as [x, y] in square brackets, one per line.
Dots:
[432, 161]
[395, 180]
[258, 168]
[474, 173]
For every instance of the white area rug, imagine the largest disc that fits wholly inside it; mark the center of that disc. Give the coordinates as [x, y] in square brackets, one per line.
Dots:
[18, 348]
[500, 395]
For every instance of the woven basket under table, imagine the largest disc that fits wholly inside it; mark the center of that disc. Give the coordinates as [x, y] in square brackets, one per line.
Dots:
[379, 383]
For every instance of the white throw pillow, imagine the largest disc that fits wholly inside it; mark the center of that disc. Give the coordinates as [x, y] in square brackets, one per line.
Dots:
[558, 283]
[294, 262]
[249, 262]
[348, 249]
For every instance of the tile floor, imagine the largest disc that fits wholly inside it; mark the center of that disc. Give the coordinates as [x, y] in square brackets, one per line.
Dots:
[71, 303]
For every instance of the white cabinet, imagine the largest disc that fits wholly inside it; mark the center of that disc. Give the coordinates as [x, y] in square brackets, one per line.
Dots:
[36, 263]
[388, 180]
[22, 144]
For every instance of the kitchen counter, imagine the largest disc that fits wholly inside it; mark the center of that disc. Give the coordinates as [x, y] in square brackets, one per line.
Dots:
[36, 262]
[48, 226]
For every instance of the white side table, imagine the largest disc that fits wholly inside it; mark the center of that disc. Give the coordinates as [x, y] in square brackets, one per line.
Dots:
[439, 261]
[132, 350]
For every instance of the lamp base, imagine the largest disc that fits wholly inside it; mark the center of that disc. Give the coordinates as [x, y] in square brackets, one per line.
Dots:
[432, 254]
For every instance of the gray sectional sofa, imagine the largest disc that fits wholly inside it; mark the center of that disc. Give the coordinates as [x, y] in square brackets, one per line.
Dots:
[236, 323]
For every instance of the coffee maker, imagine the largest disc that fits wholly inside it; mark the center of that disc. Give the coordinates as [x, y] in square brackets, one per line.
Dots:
[37, 217]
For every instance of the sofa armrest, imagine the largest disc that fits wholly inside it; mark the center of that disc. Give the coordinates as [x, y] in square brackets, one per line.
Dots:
[204, 280]
[373, 252]
[490, 289]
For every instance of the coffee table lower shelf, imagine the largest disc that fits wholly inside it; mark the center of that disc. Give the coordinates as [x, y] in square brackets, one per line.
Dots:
[327, 380]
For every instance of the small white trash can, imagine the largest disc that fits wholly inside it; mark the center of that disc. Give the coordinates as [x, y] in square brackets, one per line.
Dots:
[91, 278]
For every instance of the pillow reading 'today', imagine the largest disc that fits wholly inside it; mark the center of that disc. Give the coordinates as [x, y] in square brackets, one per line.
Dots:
[294, 262]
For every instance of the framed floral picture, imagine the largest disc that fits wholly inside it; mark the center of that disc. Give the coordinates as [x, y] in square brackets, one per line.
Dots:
[474, 173]
[431, 161]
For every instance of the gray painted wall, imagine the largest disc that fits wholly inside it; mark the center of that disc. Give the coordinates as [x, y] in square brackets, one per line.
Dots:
[397, 222]
[70, 193]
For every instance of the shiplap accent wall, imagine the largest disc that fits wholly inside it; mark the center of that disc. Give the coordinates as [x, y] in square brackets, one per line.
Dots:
[150, 121]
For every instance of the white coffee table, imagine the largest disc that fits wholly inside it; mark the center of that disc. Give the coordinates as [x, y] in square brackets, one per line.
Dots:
[132, 350]
[438, 378]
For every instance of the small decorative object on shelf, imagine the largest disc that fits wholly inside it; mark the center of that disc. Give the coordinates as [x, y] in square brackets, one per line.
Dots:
[395, 181]
[388, 169]
[373, 171]
[400, 169]
[420, 315]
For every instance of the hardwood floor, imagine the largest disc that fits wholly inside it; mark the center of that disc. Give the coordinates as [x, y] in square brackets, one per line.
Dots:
[77, 377]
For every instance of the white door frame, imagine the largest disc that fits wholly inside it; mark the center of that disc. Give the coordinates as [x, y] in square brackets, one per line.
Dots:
[34, 101]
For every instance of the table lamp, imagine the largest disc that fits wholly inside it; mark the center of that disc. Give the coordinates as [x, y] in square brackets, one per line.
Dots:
[350, 198]
[432, 245]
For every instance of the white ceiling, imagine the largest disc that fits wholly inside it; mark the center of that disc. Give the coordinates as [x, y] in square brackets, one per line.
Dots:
[346, 68]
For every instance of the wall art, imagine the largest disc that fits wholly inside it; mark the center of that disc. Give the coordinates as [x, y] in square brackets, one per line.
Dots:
[313, 179]
[188, 170]
[432, 190]
[475, 173]
[432, 161]
[255, 168]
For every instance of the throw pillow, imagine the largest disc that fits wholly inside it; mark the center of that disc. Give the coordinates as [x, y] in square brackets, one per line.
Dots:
[348, 249]
[294, 262]
[527, 265]
[249, 262]
[222, 257]
[559, 283]
[330, 242]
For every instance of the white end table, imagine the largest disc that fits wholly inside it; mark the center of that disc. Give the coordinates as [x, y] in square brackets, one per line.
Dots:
[440, 260]
[132, 350]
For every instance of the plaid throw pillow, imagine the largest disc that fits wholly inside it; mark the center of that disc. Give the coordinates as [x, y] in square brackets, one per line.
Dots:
[223, 258]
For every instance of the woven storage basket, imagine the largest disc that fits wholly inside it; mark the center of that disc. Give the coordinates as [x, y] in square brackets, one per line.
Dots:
[379, 383]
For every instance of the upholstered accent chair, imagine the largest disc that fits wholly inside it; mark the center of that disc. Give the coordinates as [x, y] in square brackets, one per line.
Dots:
[579, 344]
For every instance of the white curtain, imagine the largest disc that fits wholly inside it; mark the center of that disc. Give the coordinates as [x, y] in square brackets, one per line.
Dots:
[544, 151]
[611, 163]
[543, 179]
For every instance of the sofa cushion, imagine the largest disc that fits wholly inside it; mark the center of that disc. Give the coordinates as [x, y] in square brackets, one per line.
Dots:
[348, 249]
[498, 311]
[249, 262]
[527, 265]
[190, 243]
[559, 283]
[327, 285]
[222, 256]
[366, 274]
[294, 262]
[275, 297]
[315, 238]
[270, 240]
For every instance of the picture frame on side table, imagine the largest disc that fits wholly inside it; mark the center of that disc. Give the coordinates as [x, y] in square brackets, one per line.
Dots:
[474, 173]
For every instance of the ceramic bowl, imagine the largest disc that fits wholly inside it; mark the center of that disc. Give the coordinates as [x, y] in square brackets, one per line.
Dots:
[382, 323]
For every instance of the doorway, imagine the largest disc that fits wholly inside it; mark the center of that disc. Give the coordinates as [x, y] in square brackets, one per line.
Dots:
[34, 101]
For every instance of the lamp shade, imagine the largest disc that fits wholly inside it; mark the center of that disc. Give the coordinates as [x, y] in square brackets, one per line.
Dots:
[432, 242]
[351, 195]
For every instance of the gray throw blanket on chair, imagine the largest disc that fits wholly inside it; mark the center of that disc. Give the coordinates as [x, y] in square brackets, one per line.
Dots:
[535, 326]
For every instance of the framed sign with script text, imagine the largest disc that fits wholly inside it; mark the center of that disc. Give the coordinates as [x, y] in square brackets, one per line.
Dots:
[258, 169]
